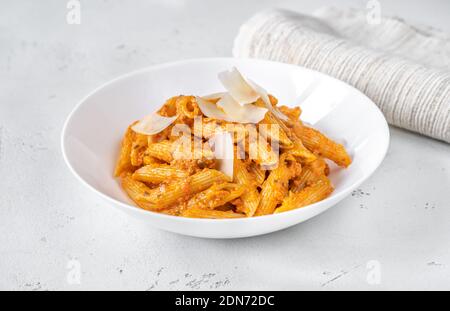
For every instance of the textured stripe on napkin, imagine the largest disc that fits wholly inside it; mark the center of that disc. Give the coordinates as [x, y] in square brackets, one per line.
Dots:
[404, 69]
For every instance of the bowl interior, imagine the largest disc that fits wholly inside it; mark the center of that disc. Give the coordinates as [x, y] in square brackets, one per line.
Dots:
[93, 132]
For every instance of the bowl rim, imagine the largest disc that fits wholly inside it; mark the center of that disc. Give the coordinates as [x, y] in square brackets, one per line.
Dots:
[339, 196]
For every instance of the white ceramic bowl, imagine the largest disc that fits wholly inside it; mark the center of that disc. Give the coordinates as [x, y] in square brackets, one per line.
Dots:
[94, 129]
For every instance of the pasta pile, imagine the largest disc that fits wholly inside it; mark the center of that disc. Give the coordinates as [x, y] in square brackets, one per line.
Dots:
[291, 177]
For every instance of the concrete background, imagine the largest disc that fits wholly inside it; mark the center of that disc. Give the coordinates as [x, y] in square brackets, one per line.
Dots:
[396, 226]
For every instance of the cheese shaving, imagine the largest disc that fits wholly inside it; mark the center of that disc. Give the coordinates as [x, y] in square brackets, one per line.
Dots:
[247, 113]
[238, 87]
[223, 147]
[210, 109]
[265, 97]
[153, 124]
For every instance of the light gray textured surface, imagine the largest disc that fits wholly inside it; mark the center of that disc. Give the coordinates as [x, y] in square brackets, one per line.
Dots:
[400, 217]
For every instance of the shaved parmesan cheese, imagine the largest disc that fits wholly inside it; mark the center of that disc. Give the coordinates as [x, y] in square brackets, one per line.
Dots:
[210, 109]
[238, 87]
[213, 96]
[265, 97]
[236, 105]
[228, 109]
[246, 91]
[247, 113]
[153, 124]
[223, 147]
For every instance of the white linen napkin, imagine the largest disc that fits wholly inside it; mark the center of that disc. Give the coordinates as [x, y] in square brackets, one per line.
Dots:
[404, 69]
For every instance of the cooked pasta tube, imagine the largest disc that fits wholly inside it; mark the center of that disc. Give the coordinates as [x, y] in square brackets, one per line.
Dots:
[320, 167]
[161, 150]
[124, 161]
[138, 148]
[270, 118]
[300, 151]
[187, 107]
[310, 173]
[198, 212]
[272, 130]
[306, 177]
[275, 187]
[138, 192]
[309, 195]
[261, 152]
[169, 108]
[216, 195]
[168, 194]
[322, 145]
[296, 147]
[292, 113]
[158, 173]
[251, 197]
[258, 172]
[147, 160]
[174, 210]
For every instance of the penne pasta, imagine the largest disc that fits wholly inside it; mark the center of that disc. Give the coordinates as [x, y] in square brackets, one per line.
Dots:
[251, 197]
[174, 210]
[261, 152]
[270, 118]
[310, 173]
[158, 173]
[309, 195]
[296, 146]
[138, 192]
[174, 191]
[322, 145]
[300, 151]
[138, 148]
[198, 212]
[320, 167]
[258, 172]
[292, 113]
[275, 187]
[124, 161]
[147, 160]
[187, 107]
[271, 129]
[306, 177]
[215, 196]
[161, 150]
[169, 108]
